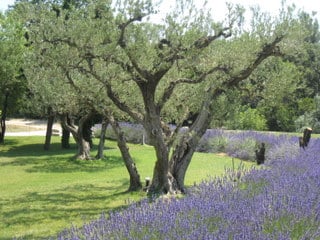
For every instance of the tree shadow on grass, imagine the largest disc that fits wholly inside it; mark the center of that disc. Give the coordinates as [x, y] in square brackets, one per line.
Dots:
[56, 160]
[9, 142]
[73, 165]
[83, 203]
[52, 164]
[12, 148]
[36, 150]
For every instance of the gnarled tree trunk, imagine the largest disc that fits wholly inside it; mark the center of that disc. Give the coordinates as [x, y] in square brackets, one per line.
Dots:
[135, 183]
[78, 135]
[161, 180]
[84, 145]
[158, 134]
[87, 131]
[187, 145]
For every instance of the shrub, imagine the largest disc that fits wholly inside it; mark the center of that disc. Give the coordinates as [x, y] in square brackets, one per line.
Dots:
[307, 120]
[311, 116]
[285, 149]
[251, 119]
[248, 119]
[241, 146]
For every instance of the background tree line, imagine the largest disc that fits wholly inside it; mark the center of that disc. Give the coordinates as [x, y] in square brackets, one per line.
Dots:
[80, 59]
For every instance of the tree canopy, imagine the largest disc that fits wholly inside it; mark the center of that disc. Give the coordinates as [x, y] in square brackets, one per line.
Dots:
[12, 81]
[106, 55]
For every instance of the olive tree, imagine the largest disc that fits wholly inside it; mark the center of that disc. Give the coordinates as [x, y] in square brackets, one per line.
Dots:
[56, 84]
[12, 84]
[154, 72]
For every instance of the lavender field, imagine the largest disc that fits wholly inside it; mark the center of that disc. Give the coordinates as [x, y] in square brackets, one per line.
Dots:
[280, 200]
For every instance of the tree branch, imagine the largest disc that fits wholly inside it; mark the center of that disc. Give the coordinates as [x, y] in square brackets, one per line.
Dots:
[60, 40]
[169, 90]
[121, 41]
[128, 69]
[123, 27]
[114, 97]
[271, 49]
[204, 42]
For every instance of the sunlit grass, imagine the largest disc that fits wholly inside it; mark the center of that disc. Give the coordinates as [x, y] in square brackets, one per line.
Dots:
[43, 192]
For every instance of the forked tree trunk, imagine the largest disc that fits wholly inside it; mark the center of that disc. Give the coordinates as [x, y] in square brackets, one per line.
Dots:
[165, 179]
[135, 183]
[181, 159]
[187, 145]
[102, 138]
[184, 151]
[84, 145]
[49, 131]
[4, 117]
[77, 133]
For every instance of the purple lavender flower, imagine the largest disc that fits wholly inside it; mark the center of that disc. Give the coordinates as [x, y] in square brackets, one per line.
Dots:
[278, 201]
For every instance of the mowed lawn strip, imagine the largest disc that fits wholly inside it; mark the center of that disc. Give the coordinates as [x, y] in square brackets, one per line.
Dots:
[43, 192]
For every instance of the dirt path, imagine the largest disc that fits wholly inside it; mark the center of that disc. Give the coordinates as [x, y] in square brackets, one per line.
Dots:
[29, 127]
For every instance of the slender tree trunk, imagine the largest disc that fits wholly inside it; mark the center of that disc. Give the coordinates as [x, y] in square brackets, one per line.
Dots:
[135, 183]
[65, 138]
[4, 117]
[49, 130]
[104, 126]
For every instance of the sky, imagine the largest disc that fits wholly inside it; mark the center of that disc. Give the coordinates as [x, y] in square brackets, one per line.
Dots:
[4, 4]
[219, 9]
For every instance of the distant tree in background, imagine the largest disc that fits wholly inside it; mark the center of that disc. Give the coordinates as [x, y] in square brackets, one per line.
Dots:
[55, 84]
[12, 80]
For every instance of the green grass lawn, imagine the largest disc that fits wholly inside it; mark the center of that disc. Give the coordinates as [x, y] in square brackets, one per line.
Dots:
[43, 192]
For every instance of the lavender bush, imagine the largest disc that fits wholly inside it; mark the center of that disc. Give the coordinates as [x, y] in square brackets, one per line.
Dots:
[214, 141]
[278, 201]
[243, 144]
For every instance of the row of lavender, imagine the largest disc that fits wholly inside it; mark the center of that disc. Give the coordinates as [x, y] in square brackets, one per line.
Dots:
[243, 144]
[279, 201]
[240, 144]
